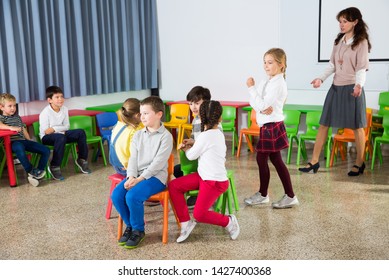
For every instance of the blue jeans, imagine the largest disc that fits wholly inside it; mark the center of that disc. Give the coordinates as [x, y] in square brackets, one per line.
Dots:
[19, 147]
[129, 203]
[59, 140]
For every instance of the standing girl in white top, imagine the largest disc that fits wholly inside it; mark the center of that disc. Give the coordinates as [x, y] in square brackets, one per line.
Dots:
[268, 99]
[210, 179]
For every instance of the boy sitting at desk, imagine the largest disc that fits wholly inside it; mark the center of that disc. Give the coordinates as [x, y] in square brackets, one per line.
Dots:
[21, 142]
[54, 131]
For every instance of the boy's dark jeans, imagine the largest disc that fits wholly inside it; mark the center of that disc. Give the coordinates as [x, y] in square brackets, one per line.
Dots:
[19, 147]
[59, 140]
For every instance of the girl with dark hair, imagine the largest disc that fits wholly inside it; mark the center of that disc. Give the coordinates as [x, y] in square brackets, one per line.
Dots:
[345, 104]
[210, 179]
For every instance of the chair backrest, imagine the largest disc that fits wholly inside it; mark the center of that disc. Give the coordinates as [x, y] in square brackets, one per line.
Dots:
[292, 121]
[35, 126]
[105, 122]
[312, 121]
[369, 119]
[179, 113]
[253, 120]
[170, 168]
[187, 166]
[383, 101]
[228, 118]
[82, 122]
[385, 125]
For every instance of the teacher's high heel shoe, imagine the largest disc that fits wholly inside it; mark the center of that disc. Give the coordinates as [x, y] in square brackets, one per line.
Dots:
[313, 167]
[360, 170]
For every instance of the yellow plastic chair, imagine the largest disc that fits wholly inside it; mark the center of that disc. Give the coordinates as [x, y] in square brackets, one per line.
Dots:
[86, 123]
[228, 124]
[186, 129]
[253, 130]
[179, 115]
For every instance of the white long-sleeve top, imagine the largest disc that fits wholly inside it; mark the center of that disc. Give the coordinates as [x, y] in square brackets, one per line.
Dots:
[210, 148]
[272, 92]
[57, 120]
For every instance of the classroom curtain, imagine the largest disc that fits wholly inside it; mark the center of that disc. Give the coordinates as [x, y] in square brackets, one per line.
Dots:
[84, 46]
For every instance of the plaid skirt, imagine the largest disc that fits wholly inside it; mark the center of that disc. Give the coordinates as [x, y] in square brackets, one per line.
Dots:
[272, 138]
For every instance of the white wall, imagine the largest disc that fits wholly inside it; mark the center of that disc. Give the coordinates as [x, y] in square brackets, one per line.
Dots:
[299, 37]
[219, 43]
[216, 44]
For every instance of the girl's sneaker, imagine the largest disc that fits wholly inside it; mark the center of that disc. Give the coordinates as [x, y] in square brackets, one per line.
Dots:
[285, 202]
[256, 199]
[186, 229]
[233, 227]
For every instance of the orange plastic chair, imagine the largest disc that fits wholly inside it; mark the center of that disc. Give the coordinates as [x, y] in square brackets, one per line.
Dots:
[164, 198]
[253, 130]
[179, 115]
[348, 136]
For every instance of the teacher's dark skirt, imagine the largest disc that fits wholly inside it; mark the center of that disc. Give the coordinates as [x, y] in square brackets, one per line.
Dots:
[342, 110]
[272, 138]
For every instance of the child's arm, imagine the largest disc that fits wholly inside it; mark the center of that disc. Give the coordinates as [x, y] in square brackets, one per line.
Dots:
[198, 148]
[26, 134]
[7, 127]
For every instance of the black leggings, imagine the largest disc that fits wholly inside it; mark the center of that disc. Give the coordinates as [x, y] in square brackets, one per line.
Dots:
[264, 172]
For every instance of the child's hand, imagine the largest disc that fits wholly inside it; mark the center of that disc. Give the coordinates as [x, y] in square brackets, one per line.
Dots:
[316, 83]
[50, 130]
[250, 82]
[267, 111]
[15, 128]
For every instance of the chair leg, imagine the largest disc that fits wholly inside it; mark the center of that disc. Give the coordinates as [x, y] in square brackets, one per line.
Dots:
[120, 227]
[165, 218]
[239, 144]
[109, 205]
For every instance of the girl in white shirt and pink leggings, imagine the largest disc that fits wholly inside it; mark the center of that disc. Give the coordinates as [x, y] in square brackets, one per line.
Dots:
[210, 179]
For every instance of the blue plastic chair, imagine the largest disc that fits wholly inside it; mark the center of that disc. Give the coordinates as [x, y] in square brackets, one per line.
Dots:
[105, 123]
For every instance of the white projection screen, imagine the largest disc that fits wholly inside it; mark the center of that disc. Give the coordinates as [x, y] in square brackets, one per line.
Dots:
[375, 13]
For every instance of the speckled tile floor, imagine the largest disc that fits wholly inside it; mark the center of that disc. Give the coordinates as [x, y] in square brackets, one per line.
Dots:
[338, 218]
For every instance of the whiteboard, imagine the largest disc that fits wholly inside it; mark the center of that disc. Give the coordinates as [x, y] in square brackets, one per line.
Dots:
[374, 13]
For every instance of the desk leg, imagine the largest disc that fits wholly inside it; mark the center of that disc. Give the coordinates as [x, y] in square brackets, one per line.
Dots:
[10, 161]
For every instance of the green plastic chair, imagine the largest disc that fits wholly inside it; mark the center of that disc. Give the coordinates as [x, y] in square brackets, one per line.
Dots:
[228, 198]
[86, 123]
[292, 122]
[69, 147]
[376, 127]
[384, 139]
[228, 124]
[312, 123]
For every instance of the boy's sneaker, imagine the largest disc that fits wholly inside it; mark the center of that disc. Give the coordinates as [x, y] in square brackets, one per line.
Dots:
[256, 199]
[233, 227]
[83, 165]
[37, 174]
[126, 235]
[186, 231]
[191, 201]
[136, 237]
[55, 172]
[285, 202]
[34, 182]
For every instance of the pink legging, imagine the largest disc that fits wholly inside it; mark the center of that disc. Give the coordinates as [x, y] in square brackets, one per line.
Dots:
[264, 172]
[209, 191]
